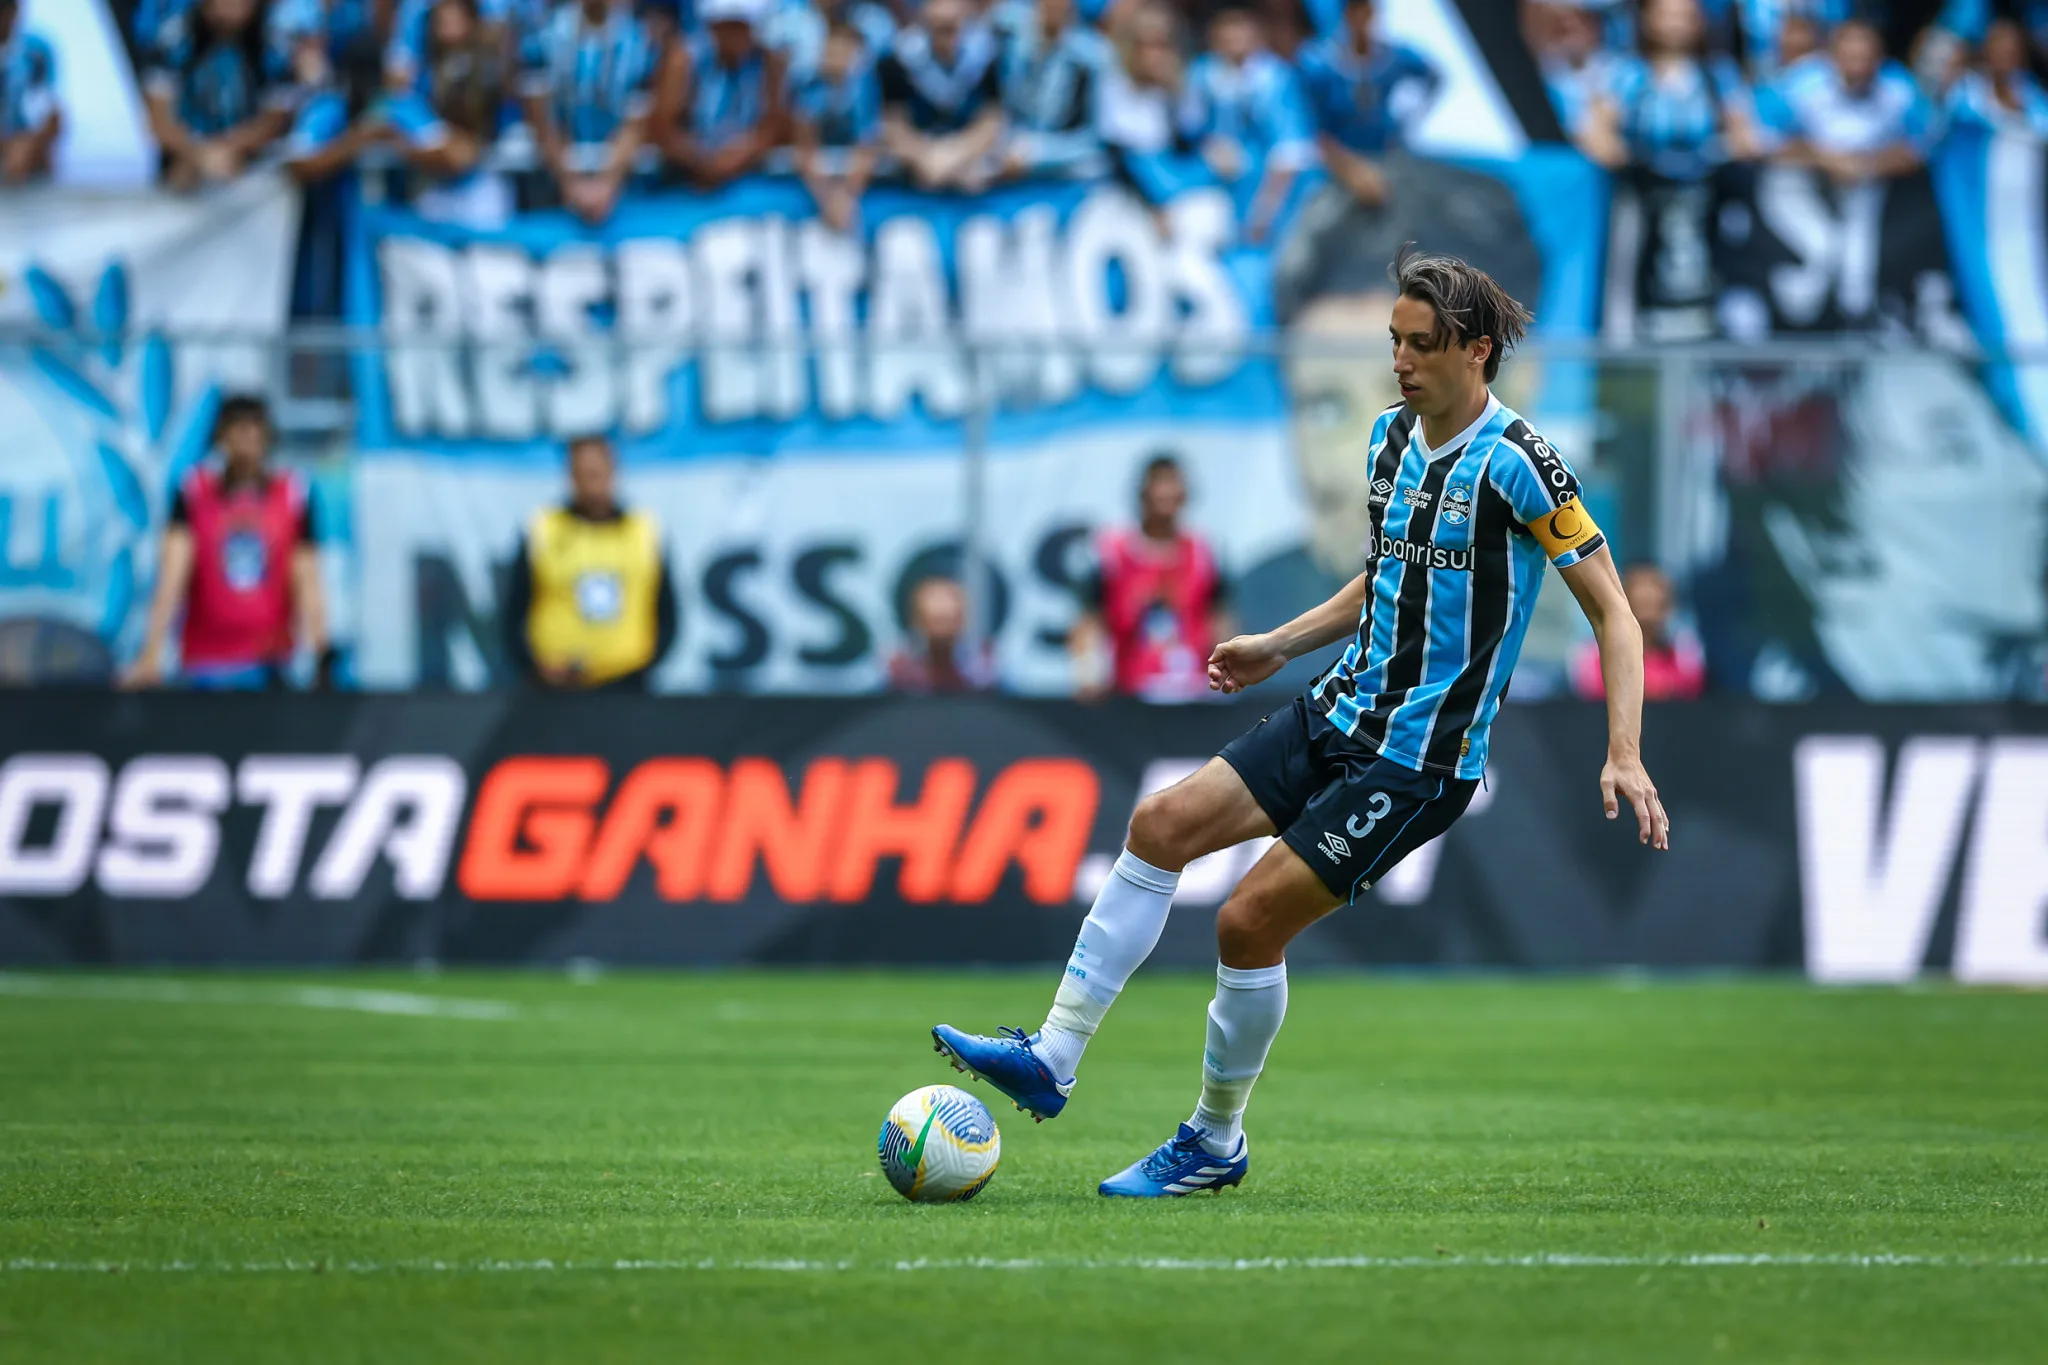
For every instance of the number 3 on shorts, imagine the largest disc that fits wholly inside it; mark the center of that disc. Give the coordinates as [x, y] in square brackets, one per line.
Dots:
[1375, 811]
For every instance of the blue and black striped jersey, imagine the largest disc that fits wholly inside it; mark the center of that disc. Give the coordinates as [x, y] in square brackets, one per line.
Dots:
[1459, 537]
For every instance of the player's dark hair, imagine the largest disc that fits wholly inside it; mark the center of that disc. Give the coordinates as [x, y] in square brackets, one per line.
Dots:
[1468, 304]
[1162, 463]
[237, 407]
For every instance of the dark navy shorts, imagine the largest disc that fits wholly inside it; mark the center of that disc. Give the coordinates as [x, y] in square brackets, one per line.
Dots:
[1349, 813]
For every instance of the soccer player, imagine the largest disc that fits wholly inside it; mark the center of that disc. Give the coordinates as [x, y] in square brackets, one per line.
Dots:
[1383, 753]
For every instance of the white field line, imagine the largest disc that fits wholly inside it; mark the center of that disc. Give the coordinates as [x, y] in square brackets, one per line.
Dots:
[148, 990]
[1535, 1261]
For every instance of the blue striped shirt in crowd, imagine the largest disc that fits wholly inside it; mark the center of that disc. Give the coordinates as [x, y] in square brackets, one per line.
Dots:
[1365, 103]
[595, 76]
[725, 102]
[1762, 20]
[797, 30]
[406, 53]
[28, 82]
[334, 22]
[1808, 101]
[1973, 103]
[843, 113]
[937, 98]
[1573, 89]
[217, 88]
[1258, 105]
[1452, 572]
[1672, 119]
[1050, 91]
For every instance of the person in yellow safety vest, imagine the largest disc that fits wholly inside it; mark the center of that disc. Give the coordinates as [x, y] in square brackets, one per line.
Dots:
[591, 602]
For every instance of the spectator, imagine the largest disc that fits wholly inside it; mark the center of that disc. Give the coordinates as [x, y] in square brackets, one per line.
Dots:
[241, 560]
[1254, 125]
[1156, 599]
[212, 103]
[1363, 94]
[512, 24]
[1853, 114]
[2000, 93]
[1566, 42]
[585, 88]
[838, 119]
[446, 131]
[937, 658]
[1778, 33]
[1672, 111]
[327, 134]
[1674, 664]
[798, 29]
[30, 119]
[349, 37]
[1052, 69]
[591, 602]
[942, 103]
[720, 110]
[1144, 110]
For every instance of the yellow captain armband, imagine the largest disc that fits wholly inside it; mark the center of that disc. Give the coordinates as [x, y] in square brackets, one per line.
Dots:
[1567, 535]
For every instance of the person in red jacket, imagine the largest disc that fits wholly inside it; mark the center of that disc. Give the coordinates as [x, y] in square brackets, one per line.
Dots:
[240, 559]
[1156, 601]
[1674, 662]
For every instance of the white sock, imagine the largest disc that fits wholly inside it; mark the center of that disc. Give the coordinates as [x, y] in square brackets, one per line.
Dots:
[1244, 1019]
[1122, 928]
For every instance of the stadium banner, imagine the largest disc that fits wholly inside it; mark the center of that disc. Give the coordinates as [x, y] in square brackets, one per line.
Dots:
[123, 316]
[1795, 504]
[1860, 843]
[793, 403]
[1775, 250]
[1994, 199]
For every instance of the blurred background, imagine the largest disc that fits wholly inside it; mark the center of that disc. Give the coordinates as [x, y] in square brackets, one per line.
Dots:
[884, 406]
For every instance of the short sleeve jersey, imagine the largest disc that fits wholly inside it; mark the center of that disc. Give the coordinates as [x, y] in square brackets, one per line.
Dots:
[1453, 565]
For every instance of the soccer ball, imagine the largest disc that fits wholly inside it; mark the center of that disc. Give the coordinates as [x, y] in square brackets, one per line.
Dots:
[939, 1145]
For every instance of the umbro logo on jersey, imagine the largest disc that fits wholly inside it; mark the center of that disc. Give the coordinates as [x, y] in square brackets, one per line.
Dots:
[1382, 489]
[1335, 847]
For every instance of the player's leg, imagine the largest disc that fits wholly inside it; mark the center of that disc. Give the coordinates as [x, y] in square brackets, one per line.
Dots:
[1209, 810]
[1346, 838]
[1264, 774]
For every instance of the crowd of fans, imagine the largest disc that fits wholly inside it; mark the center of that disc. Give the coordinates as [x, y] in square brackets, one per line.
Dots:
[602, 97]
[1681, 88]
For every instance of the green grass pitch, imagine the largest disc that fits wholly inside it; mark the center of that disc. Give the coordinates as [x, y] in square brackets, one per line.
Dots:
[682, 1167]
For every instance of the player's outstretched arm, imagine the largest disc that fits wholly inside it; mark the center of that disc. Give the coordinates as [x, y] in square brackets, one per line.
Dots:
[1598, 587]
[1243, 660]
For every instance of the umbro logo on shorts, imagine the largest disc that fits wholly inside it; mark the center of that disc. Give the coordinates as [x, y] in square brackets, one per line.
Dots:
[1335, 847]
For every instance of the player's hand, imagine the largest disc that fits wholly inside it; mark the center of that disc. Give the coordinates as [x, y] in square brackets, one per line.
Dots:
[1243, 660]
[1626, 776]
[146, 671]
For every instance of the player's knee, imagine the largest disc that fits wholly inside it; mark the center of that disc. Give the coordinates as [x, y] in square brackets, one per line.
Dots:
[1160, 832]
[1246, 936]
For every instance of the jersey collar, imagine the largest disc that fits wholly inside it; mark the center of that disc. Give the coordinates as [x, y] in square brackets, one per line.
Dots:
[1463, 438]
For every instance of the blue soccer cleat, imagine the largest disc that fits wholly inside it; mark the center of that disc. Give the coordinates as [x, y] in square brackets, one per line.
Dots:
[1180, 1167]
[1007, 1063]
